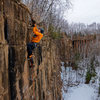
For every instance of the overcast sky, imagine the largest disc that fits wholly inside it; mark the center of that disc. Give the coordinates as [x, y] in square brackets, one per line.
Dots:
[86, 11]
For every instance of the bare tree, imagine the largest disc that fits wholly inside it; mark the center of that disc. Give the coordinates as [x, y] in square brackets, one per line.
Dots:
[49, 13]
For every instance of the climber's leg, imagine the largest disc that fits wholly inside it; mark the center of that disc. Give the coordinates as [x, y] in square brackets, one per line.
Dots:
[33, 45]
[31, 60]
[31, 63]
[29, 50]
[30, 46]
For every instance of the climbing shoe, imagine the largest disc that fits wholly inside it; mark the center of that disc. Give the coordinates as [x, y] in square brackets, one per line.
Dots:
[29, 57]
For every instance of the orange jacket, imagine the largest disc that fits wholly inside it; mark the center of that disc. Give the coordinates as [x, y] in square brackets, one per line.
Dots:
[38, 35]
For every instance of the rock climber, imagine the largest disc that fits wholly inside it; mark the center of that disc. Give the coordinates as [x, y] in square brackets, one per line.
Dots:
[37, 36]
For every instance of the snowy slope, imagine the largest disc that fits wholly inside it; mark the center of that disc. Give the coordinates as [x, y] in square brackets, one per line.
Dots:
[82, 92]
[74, 87]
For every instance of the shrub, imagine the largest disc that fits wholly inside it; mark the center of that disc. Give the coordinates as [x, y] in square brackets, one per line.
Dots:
[77, 56]
[76, 60]
[92, 64]
[89, 75]
[75, 66]
[54, 34]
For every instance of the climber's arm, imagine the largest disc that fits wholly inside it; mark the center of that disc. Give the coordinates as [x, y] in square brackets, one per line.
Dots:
[35, 31]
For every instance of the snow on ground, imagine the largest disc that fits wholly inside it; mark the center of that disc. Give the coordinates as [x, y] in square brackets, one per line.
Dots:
[74, 87]
[81, 92]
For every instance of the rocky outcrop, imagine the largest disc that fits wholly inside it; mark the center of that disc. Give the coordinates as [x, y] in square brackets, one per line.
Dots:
[77, 46]
[17, 80]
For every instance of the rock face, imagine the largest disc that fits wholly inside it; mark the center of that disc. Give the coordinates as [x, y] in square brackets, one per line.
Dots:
[73, 47]
[17, 80]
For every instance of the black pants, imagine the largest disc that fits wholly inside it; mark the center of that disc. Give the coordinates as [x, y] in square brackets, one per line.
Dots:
[31, 46]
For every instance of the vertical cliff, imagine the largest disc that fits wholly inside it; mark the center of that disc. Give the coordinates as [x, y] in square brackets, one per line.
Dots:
[17, 80]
